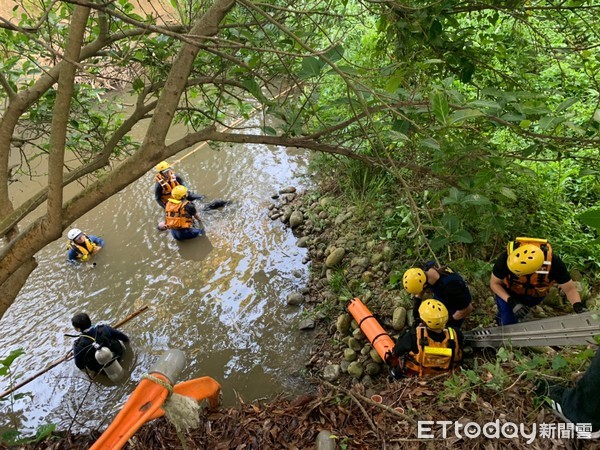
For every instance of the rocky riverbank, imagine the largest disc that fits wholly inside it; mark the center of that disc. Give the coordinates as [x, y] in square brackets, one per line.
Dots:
[355, 405]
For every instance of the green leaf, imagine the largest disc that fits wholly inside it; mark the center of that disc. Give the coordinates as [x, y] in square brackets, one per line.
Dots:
[488, 104]
[525, 123]
[450, 223]
[454, 197]
[558, 362]
[6, 362]
[475, 200]
[311, 67]
[438, 242]
[463, 236]
[430, 143]
[43, 431]
[269, 130]
[550, 122]
[138, 84]
[253, 88]
[597, 115]
[335, 54]
[508, 193]
[591, 217]
[464, 114]
[566, 104]
[439, 104]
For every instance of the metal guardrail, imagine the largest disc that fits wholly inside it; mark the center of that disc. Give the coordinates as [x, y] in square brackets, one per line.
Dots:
[574, 329]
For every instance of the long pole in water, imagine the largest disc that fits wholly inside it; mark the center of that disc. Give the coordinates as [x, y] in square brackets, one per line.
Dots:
[67, 356]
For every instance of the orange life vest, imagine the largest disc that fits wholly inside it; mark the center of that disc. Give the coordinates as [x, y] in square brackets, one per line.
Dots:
[538, 283]
[177, 217]
[83, 250]
[434, 357]
[167, 184]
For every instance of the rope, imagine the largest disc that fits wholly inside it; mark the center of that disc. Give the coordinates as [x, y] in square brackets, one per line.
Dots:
[160, 382]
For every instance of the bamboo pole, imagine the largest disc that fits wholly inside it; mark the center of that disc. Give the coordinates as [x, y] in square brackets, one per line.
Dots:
[67, 356]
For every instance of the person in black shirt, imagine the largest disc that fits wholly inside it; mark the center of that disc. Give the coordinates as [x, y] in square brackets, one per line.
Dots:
[522, 276]
[446, 286]
[93, 337]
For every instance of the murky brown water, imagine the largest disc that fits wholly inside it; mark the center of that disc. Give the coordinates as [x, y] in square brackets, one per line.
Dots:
[220, 298]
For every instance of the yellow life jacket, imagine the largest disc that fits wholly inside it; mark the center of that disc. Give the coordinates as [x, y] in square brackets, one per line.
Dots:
[434, 357]
[177, 217]
[167, 184]
[83, 250]
[538, 283]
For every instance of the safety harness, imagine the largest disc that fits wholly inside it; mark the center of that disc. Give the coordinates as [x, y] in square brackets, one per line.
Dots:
[83, 250]
[434, 357]
[167, 183]
[538, 283]
[177, 217]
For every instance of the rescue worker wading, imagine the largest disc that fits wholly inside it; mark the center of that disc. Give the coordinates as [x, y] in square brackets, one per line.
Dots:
[428, 349]
[166, 180]
[523, 275]
[180, 215]
[81, 246]
[92, 338]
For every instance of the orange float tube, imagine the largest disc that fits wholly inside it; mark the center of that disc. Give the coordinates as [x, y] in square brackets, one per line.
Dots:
[379, 339]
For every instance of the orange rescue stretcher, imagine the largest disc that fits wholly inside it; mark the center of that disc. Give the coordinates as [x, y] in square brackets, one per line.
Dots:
[379, 339]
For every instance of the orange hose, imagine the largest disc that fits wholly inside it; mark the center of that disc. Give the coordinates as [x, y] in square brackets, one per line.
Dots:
[145, 400]
[379, 339]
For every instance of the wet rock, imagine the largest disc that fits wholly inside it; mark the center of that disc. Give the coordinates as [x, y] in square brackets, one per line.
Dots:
[326, 440]
[355, 369]
[335, 257]
[307, 324]
[367, 277]
[344, 365]
[366, 349]
[340, 219]
[373, 369]
[553, 298]
[325, 202]
[287, 190]
[376, 258]
[360, 263]
[399, 318]
[375, 356]
[303, 242]
[275, 196]
[295, 299]
[354, 344]
[296, 219]
[332, 372]
[323, 215]
[330, 275]
[296, 273]
[358, 335]
[387, 252]
[289, 197]
[343, 323]
[350, 355]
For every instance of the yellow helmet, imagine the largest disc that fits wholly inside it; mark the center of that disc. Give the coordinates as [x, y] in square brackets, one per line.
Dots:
[434, 314]
[179, 192]
[163, 165]
[525, 260]
[414, 280]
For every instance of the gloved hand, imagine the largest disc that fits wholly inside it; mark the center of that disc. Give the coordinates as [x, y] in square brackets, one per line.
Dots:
[579, 308]
[519, 309]
[391, 359]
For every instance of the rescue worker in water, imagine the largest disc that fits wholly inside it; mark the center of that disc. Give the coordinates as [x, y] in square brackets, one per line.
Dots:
[165, 181]
[428, 349]
[180, 215]
[82, 247]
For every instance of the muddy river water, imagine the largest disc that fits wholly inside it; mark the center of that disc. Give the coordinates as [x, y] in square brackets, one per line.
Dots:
[220, 298]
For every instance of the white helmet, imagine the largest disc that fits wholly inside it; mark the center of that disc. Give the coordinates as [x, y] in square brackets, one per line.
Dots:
[72, 234]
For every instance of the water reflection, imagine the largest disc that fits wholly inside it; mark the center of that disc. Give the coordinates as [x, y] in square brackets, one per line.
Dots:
[219, 298]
